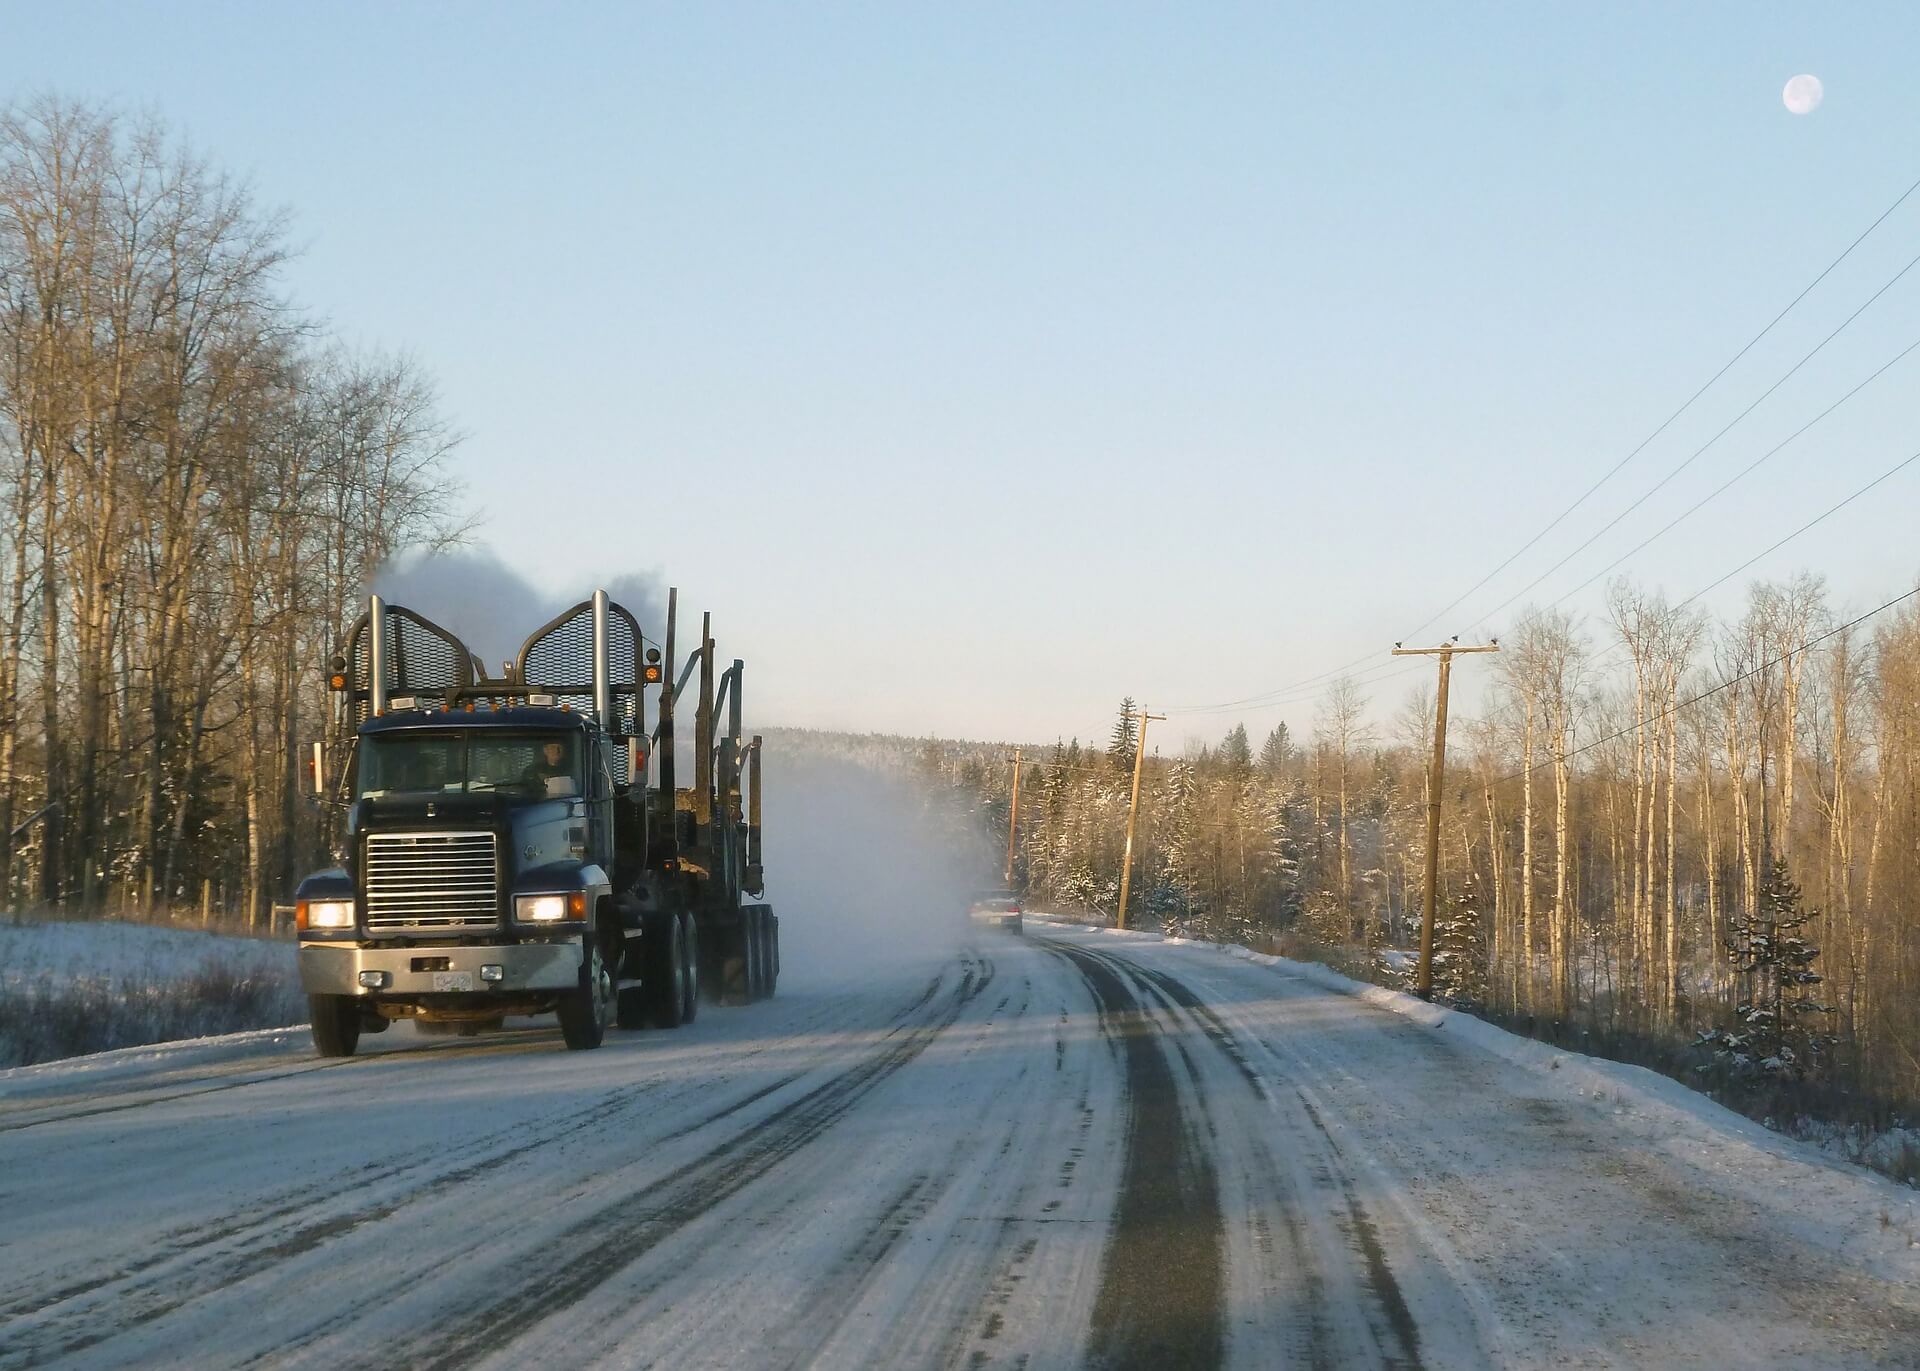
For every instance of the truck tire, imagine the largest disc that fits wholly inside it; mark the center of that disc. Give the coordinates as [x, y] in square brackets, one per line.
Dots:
[773, 953]
[756, 934]
[734, 963]
[630, 1007]
[584, 1012]
[336, 1024]
[668, 975]
[690, 1010]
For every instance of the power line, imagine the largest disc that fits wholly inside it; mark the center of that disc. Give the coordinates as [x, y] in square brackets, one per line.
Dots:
[1388, 674]
[1669, 420]
[1688, 703]
[1106, 771]
[1699, 451]
[1289, 688]
[1270, 697]
[1615, 648]
[1265, 698]
[1385, 673]
[1726, 485]
[1821, 518]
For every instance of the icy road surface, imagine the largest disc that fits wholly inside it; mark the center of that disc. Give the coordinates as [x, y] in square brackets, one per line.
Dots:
[1068, 1150]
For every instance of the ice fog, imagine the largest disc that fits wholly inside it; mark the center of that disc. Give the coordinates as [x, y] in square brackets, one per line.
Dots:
[863, 874]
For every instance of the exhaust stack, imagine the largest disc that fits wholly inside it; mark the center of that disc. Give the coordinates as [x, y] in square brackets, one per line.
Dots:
[377, 654]
[602, 675]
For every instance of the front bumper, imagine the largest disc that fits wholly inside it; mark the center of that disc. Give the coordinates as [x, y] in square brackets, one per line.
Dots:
[331, 969]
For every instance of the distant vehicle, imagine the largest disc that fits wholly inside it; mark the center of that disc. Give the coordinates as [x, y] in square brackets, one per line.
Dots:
[996, 908]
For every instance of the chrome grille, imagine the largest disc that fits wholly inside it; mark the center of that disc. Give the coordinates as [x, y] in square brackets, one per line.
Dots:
[432, 880]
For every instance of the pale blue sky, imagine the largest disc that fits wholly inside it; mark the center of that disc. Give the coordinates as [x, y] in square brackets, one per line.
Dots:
[977, 364]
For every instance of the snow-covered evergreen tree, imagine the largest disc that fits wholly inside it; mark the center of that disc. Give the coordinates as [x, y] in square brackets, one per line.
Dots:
[1460, 949]
[1174, 887]
[1276, 752]
[1779, 1032]
[1236, 754]
[1125, 733]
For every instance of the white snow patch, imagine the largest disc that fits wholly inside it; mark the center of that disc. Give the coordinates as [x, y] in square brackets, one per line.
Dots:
[74, 987]
[88, 949]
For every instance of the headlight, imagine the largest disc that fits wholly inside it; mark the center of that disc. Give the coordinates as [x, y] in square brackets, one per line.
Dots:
[324, 914]
[549, 909]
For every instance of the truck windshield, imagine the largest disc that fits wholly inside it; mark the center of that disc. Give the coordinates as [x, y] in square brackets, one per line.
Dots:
[527, 765]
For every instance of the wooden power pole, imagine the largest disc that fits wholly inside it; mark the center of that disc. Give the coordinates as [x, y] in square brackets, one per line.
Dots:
[1133, 812]
[1013, 819]
[1423, 977]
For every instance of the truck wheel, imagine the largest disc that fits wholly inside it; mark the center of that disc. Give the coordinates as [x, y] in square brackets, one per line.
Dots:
[690, 1009]
[584, 1012]
[773, 953]
[336, 1024]
[669, 976]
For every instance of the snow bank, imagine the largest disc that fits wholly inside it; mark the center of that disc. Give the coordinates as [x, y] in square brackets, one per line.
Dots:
[68, 988]
[99, 947]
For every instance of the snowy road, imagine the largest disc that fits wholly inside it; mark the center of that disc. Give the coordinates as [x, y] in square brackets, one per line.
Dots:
[1060, 1151]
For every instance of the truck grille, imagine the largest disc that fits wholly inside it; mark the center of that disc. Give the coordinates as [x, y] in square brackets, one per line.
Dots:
[432, 880]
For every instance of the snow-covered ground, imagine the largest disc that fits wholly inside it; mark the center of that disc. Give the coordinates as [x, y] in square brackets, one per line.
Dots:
[1071, 1149]
[70, 987]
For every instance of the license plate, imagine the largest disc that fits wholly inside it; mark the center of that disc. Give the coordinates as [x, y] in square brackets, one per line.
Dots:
[453, 980]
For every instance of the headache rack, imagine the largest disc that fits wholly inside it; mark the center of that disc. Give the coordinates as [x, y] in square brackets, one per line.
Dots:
[592, 659]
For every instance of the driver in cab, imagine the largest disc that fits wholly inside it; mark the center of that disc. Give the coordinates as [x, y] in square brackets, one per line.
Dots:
[550, 775]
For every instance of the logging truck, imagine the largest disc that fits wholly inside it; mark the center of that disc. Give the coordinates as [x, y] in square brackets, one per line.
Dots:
[522, 844]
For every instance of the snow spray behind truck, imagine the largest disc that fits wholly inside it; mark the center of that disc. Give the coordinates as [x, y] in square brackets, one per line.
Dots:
[504, 852]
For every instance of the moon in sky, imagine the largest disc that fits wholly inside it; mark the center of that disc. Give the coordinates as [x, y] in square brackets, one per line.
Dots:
[1803, 94]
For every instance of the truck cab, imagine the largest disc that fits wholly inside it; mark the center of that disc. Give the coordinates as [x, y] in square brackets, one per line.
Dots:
[477, 877]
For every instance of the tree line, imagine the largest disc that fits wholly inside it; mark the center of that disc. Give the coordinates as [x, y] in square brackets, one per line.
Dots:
[1658, 826]
[198, 483]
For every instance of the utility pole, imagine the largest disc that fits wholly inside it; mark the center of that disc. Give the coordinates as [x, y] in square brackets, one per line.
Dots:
[1133, 811]
[1423, 977]
[1013, 819]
